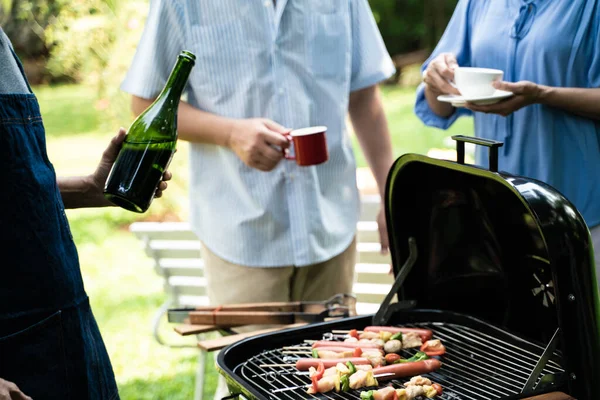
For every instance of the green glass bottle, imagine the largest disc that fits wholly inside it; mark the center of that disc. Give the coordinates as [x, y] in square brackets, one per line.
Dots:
[149, 145]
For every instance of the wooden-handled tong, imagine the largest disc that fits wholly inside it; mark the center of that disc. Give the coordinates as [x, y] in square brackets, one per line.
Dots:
[284, 313]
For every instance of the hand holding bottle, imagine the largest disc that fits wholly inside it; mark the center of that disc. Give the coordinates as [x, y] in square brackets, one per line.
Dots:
[138, 171]
[109, 156]
[258, 142]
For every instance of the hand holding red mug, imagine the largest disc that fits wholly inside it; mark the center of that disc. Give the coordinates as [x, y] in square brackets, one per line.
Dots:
[310, 146]
[255, 142]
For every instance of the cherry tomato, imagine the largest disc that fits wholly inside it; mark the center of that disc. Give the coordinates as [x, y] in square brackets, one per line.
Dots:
[438, 388]
[433, 348]
[391, 357]
[357, 352]
[353, 333]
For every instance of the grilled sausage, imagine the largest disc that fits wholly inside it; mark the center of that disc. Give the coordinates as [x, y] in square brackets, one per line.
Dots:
[425, 334]
[337, 349]
[303, 364]
[407, 369]
[352, 345]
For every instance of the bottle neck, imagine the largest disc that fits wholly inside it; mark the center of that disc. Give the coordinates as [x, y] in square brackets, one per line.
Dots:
[177, 80]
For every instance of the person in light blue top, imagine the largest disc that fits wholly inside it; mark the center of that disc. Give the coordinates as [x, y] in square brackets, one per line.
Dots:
[550, 54]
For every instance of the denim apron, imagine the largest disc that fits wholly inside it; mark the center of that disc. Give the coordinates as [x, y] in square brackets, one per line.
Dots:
[50, 345]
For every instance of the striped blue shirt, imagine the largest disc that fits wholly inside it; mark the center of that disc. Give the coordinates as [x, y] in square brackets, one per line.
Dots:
[296, 63]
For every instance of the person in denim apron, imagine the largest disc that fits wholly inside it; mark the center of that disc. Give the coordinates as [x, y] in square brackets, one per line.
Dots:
[50, 344]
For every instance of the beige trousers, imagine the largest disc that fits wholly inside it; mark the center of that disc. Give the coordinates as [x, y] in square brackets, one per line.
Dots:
[231, 283]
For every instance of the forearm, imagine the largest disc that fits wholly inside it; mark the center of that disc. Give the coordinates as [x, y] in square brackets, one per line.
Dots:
[579, 101]
[194, 125]
[371, 129]
[441, 109]
[79, 192]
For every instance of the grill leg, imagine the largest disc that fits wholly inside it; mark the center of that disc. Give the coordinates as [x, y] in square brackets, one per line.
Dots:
[199, 390]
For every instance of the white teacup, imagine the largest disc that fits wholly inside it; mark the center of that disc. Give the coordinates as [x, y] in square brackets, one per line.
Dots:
[476, 82]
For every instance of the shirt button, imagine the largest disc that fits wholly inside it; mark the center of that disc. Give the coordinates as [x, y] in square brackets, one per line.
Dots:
[281, 91]
[291, 177]
[268, 3]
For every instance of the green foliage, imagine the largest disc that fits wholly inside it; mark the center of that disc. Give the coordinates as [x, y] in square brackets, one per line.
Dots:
[130, 17]
[409, 25]
[81, 39]
[93, 41]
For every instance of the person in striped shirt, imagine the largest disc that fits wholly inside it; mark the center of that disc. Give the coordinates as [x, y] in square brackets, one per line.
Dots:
[272, 230]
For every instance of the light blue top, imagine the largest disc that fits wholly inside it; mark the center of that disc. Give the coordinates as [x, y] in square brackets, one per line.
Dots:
[295, 63]
[550, 42]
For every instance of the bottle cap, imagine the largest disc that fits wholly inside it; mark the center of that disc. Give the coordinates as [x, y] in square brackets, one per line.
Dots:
[187, 54]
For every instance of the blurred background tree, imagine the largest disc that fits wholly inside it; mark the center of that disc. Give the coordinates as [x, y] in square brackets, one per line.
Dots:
[73, 39]
[92, 41]
[411, 25]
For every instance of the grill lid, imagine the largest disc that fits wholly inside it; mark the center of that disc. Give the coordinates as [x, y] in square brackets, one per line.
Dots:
[508, 249]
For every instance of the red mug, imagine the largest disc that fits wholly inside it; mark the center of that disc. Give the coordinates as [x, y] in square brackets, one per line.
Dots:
[310, 146]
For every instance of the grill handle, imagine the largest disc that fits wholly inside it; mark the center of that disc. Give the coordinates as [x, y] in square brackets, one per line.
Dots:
[492, 144]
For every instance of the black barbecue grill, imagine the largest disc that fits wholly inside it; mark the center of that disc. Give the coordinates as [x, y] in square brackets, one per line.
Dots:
[499, 267]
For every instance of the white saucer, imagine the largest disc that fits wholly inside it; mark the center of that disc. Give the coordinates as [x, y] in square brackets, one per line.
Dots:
[459, 101]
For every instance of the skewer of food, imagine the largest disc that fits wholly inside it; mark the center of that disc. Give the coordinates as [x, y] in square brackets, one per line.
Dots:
[400, 369]
[374, 359]
[343, 377]
[390, 339]
[417, 386]
[425, 334]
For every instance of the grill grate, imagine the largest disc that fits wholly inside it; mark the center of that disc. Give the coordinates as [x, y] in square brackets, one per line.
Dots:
[476, 366]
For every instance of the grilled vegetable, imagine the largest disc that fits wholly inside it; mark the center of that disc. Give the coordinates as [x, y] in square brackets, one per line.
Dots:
[433, 348]
[367, 395]
[385, 336]
[315, 353]
[345, 383]
[392, 346]
[419, 356]
[351, 367]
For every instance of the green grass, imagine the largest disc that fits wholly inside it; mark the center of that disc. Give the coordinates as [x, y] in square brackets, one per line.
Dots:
[124, 290]
[69, 110]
